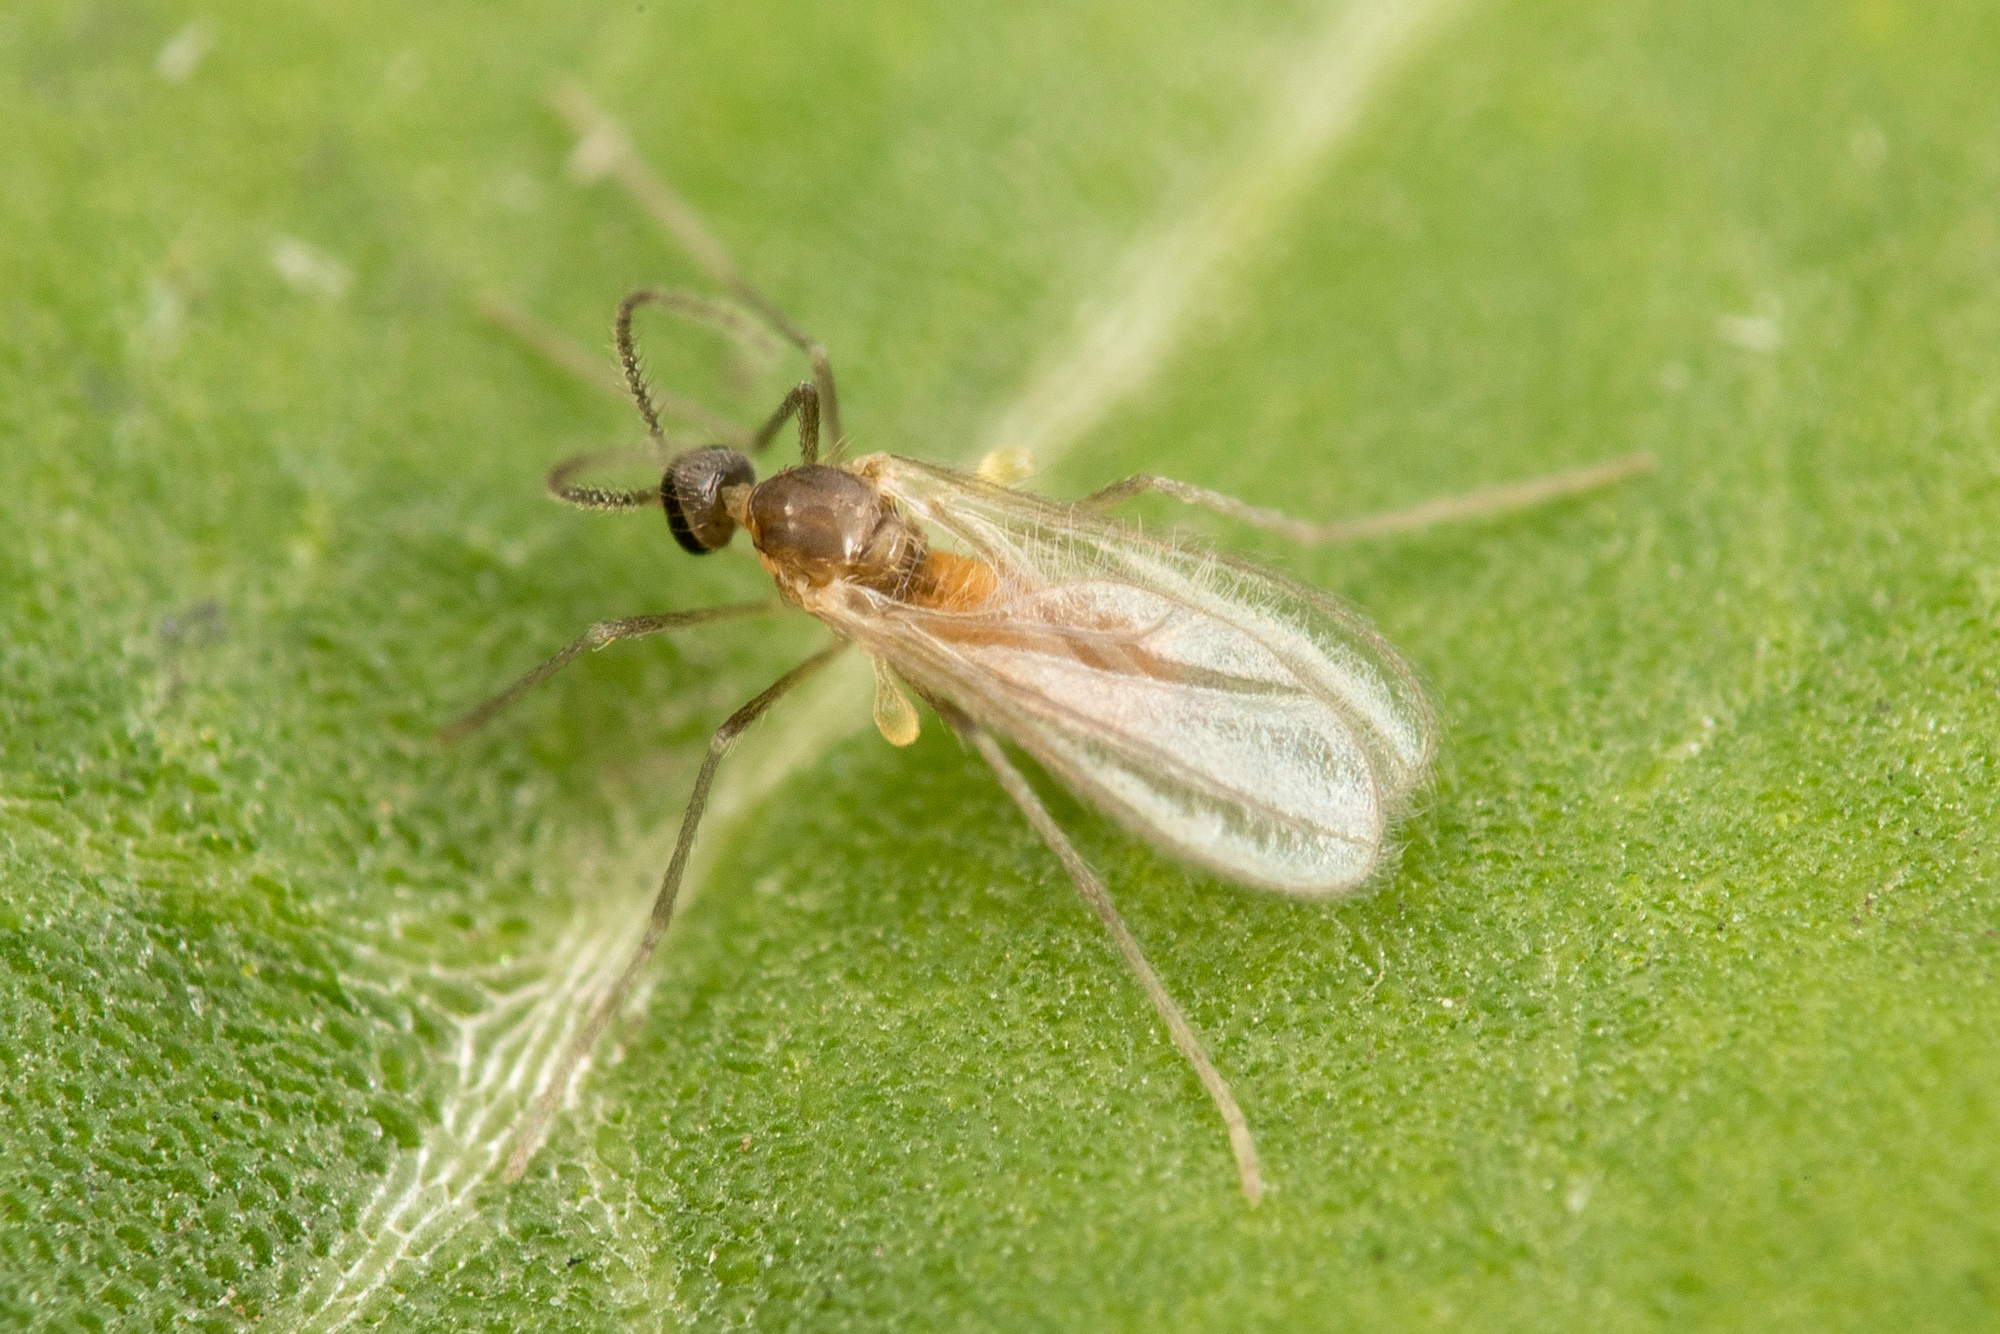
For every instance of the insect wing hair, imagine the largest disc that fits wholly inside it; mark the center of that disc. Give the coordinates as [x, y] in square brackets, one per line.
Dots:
[1243, 722]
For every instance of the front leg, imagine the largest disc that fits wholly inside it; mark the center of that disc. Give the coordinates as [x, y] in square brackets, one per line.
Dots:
[805, 401]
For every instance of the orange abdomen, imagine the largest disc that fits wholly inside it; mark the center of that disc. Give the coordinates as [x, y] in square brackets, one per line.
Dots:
[951, 582]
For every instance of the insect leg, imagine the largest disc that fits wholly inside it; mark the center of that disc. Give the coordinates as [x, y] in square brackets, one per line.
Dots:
[663, 911]
[599, 635]
[1450, 509]
[603, 149]
[1093, 892]
[682, 303]
[558, 349]
[573, 358]
[804, 400]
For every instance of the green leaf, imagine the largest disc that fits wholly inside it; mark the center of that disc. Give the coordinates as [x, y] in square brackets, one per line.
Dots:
[1676, 1009]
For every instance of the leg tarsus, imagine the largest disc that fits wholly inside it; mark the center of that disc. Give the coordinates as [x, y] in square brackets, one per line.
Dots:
[559, 350]
[686, 304]
[657, 921]
[1249, 1176]
[727, 319]
[598, 636]
[1451, 509]
[604, 149]
[574, 359]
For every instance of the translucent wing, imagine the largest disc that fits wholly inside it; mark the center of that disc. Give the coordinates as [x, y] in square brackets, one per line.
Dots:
[1244, 722]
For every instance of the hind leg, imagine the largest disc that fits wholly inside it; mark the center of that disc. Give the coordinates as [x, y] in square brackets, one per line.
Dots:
[1450, 509]
[1248, 1174]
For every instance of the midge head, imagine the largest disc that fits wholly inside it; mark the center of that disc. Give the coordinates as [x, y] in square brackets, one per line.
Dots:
[811, 523]
[692, 494]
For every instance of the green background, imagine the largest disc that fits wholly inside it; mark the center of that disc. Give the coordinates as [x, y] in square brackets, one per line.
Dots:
[1678, 1008]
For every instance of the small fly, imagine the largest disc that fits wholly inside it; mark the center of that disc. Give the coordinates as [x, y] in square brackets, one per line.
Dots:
[1249, 725]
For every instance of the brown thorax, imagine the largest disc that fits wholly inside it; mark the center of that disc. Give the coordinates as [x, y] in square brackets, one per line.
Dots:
[814, 523]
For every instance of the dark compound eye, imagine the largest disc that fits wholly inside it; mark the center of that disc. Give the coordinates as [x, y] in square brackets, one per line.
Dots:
[692, 494]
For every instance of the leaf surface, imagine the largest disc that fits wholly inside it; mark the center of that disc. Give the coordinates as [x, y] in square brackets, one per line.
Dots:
[1676, 1008]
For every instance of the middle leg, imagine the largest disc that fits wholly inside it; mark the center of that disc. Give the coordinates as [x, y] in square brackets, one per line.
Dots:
[611, 1002]
[598, 636]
